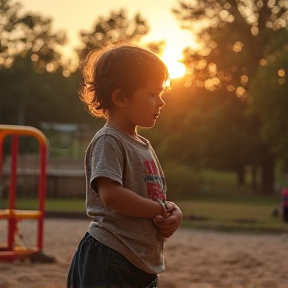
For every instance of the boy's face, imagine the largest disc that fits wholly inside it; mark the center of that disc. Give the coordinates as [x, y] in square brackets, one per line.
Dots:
[143, 108]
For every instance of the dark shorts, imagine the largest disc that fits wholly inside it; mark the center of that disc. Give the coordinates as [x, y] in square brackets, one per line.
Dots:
[95, 265]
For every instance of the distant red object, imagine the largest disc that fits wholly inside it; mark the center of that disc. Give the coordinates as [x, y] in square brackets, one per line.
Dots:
[285, 197]
[285, 204]
[9, 251]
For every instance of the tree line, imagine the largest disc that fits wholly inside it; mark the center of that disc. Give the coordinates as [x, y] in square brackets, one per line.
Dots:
[228, 112]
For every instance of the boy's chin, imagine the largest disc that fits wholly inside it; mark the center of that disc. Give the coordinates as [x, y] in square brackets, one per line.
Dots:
[146, 126]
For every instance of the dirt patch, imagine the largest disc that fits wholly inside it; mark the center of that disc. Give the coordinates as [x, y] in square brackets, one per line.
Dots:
[194, 258]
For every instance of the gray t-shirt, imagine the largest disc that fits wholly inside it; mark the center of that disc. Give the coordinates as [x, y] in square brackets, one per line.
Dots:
[133, 164]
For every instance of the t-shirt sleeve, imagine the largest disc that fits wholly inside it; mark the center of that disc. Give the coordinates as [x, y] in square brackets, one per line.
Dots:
[107, 159]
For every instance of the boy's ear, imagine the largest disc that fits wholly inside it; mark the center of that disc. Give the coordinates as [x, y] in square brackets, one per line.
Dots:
[117, 98]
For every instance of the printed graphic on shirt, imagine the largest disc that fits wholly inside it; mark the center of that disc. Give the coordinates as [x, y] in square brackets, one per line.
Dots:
[155, 182]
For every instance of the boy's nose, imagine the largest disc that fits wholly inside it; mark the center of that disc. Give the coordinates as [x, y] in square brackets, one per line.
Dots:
[161, 103]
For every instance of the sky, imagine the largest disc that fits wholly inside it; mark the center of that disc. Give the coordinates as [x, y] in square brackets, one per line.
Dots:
[76, 15]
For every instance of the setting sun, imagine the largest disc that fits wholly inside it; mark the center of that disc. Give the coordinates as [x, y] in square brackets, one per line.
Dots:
[175, 67]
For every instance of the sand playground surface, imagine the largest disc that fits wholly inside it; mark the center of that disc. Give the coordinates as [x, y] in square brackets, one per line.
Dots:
[194, 258]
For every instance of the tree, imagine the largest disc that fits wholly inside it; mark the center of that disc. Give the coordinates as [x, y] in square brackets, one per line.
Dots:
[270, 104]
[28, 49]
[30, 35]
[234, 37]
[116, 29]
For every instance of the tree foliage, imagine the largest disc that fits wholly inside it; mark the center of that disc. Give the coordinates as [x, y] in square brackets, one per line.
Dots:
[31, 36]
[235, 37]
[28, 58]
[115, 29]
[270, 103]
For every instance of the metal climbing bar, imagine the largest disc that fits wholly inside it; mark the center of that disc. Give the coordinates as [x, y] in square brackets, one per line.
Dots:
[9, 251]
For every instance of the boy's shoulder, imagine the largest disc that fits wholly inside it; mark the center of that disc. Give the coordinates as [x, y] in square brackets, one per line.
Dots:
[119, 135]
[104, 131]
[106, 136]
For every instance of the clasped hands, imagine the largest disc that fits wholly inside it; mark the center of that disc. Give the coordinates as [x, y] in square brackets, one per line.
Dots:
[168, 225]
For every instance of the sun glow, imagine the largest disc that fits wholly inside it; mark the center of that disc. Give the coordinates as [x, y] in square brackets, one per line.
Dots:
[172, 60]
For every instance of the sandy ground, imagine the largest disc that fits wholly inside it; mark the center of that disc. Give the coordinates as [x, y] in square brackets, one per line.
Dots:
[194, 259]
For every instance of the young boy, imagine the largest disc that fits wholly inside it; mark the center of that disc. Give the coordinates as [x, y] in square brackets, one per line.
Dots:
[126, 188]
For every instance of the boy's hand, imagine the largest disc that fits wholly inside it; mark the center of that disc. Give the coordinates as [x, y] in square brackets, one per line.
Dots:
[167, 226]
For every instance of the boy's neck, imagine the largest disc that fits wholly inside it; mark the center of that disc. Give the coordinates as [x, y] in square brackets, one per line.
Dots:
[124, 127]
[130, 130]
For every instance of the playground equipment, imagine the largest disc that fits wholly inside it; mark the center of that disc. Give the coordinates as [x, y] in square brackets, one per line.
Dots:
[10, 251]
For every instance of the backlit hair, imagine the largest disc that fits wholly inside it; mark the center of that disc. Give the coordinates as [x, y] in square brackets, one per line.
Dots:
[125, 67]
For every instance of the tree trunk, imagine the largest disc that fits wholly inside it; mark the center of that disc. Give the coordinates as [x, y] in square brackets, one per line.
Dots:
[241, 175]
[21, 114]
[254, 177]
[267, 175]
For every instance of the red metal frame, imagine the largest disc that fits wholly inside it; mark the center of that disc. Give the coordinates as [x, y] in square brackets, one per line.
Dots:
[9, 252]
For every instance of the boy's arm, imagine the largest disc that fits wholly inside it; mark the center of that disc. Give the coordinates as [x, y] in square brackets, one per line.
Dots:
[124, 201]
[167, 227]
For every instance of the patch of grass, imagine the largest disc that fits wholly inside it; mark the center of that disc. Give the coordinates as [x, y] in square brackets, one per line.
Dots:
[64, 205]
[253, 215]
[226, 210]
[231, 216]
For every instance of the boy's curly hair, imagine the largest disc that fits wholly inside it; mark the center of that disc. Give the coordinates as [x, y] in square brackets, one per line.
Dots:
[123, 67]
